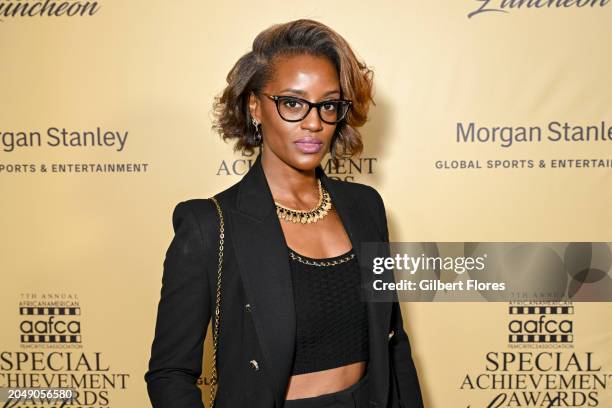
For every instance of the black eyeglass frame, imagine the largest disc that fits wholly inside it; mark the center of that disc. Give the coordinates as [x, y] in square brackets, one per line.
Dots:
[277, 99]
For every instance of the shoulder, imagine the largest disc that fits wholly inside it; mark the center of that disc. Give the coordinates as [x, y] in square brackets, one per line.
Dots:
[203, 211]
[370, 201]
[362, 193]
[188, 216]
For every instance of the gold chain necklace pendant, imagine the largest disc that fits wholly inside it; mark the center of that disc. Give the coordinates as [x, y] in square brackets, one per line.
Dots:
[306, 216]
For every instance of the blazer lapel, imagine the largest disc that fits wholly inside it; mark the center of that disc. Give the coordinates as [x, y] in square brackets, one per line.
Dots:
[354, 216]
[263, 261]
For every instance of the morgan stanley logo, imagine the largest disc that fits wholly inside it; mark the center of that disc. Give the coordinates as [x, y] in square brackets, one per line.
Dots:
[506, 6]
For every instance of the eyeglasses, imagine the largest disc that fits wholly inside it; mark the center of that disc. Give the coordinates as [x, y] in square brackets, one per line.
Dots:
[294, 109]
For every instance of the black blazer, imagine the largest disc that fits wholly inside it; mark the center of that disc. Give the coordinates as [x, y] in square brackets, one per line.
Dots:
[257, 309]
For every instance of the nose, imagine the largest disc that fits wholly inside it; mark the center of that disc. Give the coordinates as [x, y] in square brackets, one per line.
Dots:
[312, 121]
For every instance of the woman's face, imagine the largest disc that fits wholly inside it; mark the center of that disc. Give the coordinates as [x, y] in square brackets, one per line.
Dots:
[302, 144]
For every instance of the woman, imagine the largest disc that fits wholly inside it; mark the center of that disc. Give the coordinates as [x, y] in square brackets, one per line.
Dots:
[294, 331]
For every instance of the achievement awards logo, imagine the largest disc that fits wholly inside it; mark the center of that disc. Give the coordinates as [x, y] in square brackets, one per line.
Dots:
[540, 367]
[346, 170]
[53, 354]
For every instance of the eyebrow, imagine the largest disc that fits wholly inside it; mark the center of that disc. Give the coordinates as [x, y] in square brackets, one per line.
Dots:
[302, 92]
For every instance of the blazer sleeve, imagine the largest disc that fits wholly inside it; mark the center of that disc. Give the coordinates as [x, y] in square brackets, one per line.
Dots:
[183, 314]
[399, 345]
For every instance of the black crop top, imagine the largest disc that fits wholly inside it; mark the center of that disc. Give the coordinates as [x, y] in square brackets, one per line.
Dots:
[332, 321]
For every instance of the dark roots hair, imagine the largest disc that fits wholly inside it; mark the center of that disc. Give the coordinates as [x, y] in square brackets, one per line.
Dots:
[252, 71]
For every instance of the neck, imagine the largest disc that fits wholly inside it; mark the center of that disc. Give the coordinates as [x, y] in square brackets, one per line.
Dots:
[287, 183]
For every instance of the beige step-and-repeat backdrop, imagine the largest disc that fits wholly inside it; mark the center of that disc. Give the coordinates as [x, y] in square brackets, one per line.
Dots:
[493, 123]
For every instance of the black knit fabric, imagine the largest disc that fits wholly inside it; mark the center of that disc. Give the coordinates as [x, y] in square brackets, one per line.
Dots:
[332, 322]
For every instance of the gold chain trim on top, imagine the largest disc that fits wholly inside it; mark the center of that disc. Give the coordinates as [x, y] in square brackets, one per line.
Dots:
[307, 216]
[298, 258]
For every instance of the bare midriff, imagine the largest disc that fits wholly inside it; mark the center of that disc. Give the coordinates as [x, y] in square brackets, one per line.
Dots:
[325, 381]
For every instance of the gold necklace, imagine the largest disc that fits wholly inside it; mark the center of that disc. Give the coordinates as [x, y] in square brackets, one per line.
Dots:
[306, 216]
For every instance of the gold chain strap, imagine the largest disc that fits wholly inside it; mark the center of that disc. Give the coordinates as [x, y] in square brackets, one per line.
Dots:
[213, 379]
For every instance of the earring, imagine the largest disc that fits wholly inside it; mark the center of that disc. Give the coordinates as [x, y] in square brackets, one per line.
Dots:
[258, 135]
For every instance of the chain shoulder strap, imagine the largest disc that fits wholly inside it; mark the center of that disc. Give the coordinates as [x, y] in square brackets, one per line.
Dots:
[215, 331]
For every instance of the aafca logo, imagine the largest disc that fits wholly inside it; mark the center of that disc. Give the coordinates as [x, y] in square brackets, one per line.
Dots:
[50, 320]
[52, 356]
[532, 377]
[541, 325]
